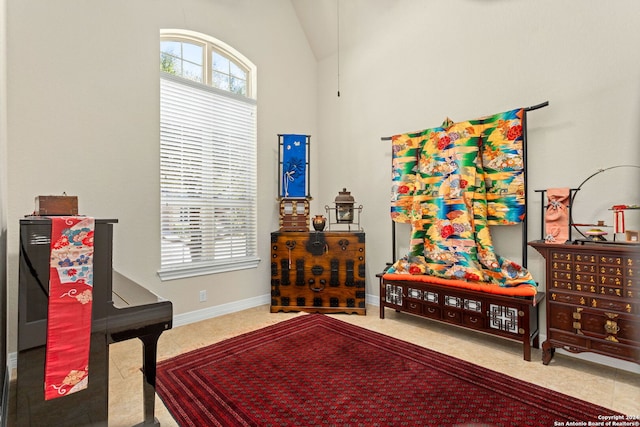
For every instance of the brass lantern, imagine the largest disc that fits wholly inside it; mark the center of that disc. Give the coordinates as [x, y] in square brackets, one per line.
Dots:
[344, 207]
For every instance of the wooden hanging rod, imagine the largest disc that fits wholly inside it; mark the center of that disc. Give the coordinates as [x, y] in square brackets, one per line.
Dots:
[533, 107]
[537, 106]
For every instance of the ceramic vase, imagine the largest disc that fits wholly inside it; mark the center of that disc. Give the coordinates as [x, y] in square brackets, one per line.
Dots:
[319, 222]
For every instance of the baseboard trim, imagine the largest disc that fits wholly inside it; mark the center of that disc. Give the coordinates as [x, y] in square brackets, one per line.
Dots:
[374, 300]
[4, 408]
[211, 312]
[220, 310]
[12, 360]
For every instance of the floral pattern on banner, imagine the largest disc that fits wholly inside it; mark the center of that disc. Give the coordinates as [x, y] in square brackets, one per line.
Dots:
[503, 167]
[70, 306]
[501, 146]
[450, 183]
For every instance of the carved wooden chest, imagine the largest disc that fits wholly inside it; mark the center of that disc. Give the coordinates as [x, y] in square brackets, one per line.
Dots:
[514, 318]
[318, 272]
[592, 299]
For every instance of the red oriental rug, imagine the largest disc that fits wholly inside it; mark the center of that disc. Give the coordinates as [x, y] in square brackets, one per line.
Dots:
[314, 370]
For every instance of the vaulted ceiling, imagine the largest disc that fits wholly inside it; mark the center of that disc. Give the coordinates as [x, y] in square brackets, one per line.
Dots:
[319, 20]
[329, 22]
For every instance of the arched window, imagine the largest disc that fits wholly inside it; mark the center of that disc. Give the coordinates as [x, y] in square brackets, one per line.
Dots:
[207, 156]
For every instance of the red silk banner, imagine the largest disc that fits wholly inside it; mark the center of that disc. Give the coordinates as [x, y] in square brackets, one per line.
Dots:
[70, 304]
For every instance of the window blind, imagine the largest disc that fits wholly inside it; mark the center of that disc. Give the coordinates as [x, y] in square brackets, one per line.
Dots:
[208, 180]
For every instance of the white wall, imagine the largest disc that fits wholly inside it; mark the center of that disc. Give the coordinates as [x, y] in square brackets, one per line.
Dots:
[84, 75]
[4, 373]
[83, 119]
[407, 64]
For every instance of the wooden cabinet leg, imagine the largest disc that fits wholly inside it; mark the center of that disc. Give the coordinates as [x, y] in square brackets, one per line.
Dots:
[526, 348]
[547, 352]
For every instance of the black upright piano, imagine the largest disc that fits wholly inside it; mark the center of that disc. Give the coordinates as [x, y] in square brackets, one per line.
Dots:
[121, 310]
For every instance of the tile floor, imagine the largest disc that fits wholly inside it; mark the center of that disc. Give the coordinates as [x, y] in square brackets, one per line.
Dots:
[605, 386]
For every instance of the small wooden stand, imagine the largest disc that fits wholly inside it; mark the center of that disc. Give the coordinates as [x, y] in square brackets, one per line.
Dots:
[294, 214]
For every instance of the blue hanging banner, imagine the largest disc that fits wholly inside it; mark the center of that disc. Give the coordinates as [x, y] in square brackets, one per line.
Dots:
[294, 166]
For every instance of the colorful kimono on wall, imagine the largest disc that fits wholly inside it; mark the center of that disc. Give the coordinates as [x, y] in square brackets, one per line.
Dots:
[450, 183]
[503, 166]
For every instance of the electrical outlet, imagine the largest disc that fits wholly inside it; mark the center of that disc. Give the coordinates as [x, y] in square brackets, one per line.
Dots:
[203, 296]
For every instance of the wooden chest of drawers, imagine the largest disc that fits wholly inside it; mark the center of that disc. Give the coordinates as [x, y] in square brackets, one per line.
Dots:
[592, 299]
[514, 318]
[318, 272]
